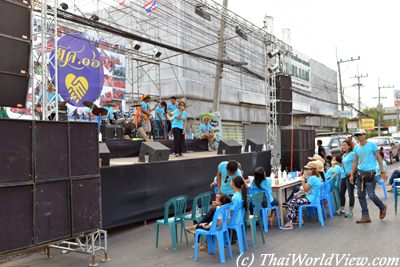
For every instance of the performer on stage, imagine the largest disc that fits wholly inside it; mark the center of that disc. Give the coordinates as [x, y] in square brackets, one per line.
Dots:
[178, 128]
[145, 114]
[207, 132]
[171, 107]
[160, 119]
[50, 109]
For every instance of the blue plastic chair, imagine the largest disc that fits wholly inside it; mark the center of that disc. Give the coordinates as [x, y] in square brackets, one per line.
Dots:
[265, 211]
[396, 189]
[326, 195]
[255, 202]
[316, 203]
[239, 227]
[179, 207]
[381, 182]
[216, 233]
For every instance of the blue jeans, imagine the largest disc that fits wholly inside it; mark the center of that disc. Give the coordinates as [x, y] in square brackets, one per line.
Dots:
[369, 189]
[160, 128]
[395, 174]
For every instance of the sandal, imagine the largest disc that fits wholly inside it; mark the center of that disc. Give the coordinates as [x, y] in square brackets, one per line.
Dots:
[348, 214]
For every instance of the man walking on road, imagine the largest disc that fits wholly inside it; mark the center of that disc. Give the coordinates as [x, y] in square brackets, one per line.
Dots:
[364, 164]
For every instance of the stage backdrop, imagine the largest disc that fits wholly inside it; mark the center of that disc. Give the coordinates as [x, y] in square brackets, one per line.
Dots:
[137, 192]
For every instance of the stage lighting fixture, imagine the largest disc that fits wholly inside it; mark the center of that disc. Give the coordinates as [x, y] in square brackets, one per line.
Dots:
[64, 6]
[94, 17]
[273, 69]
[240, 32]
[202, 13]
[156, 53]
[274, 53]
[136, 45]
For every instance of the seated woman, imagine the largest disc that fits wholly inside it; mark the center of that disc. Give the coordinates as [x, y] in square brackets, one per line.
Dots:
[207, 132]
[306, 195]
[261, 182]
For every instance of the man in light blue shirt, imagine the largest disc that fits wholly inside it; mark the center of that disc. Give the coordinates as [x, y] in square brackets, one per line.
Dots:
[207, 132]
[366, 155]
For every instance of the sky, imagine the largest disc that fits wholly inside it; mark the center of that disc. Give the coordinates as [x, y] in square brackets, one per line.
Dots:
[362, 28]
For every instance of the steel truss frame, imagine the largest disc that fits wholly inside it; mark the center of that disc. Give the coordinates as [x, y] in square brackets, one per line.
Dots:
[47, 34]
[89, 244]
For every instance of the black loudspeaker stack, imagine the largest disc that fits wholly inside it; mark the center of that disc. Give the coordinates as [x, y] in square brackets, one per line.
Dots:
[15, 47]
[230, 147]
[254, 145]
[49, 182]
[303, 147]
[284, 95]
[154, 150]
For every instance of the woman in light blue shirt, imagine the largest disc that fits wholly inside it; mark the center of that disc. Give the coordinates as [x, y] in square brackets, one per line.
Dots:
[160, 120]
[239, 196]
[263, 183]
[314, 184]
[347, 162]
[178, 127]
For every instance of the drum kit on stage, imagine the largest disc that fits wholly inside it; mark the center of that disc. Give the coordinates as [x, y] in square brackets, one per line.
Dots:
[121, 119]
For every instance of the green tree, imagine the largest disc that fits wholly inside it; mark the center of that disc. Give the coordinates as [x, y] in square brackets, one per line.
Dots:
[373, 113]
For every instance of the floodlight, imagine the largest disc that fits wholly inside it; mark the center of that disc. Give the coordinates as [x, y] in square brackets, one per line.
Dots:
[273, 53]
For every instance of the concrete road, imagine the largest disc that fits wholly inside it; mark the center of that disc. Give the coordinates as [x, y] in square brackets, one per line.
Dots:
[135, 245]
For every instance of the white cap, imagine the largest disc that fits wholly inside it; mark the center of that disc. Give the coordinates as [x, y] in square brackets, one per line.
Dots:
[360, 131]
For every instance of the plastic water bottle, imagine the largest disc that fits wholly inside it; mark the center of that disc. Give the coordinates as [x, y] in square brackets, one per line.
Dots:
[274, 178]
[198, 212]
[285, 176]
[100, 137]
[264, 148]
[249, 149]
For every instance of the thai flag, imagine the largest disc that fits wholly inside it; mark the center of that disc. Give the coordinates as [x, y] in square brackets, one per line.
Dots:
[150, 6]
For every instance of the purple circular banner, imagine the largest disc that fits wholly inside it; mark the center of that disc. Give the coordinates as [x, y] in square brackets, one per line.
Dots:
[80, 70]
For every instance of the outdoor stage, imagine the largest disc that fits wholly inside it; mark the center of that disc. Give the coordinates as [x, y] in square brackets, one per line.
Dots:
[131, 148]
[135, 192]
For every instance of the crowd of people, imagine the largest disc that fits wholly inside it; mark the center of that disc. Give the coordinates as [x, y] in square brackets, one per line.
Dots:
[356, 167]
[170, 120]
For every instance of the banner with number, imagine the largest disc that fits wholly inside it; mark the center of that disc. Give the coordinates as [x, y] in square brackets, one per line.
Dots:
[80, 69]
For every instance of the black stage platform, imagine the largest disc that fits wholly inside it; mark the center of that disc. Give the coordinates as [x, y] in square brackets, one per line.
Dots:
[129, 148]
[137, 192]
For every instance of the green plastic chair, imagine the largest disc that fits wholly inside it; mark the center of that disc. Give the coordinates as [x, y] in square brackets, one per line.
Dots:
[255, 201]
[200, 203]
[335, 193]
[179, 208]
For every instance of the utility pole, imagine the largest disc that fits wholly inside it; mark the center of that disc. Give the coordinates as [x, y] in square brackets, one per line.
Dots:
[221, 49]
[359, 84]
[341, 87]
[380, 105]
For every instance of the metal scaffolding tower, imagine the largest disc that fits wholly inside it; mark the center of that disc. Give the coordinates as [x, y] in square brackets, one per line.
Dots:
[45, 34]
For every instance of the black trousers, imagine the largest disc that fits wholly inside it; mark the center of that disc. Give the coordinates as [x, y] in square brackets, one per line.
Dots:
[343, 186]
[179, 140]
[208, 217]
